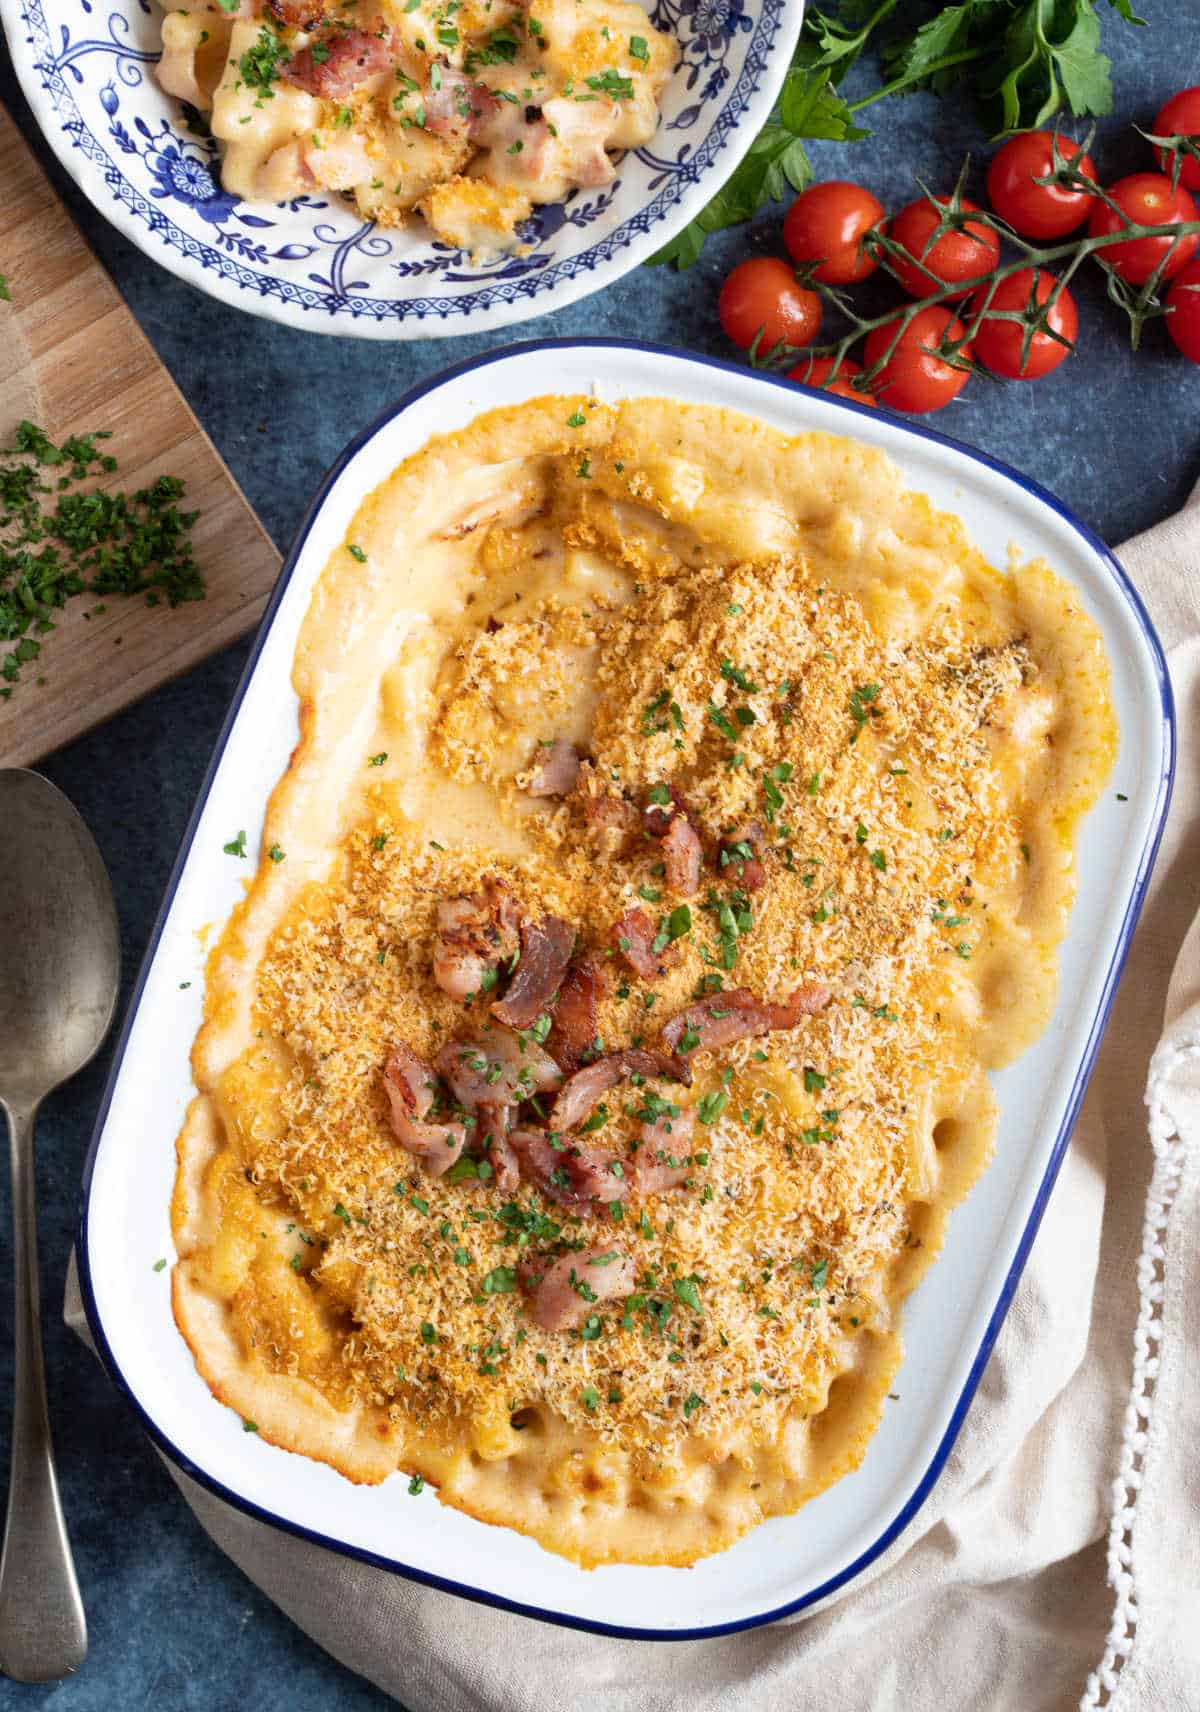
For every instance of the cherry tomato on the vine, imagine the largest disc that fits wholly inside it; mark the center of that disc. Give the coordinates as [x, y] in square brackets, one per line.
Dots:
[915, 378]
[1038, 210]
[998, 342]
[762, 295]
[1183, 301]
[1180, 117]
[826, 224]
[817, 370]
[1145, 199]
[955, 256]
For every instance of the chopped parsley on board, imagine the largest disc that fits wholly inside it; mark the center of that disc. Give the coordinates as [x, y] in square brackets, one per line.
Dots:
[60, 536]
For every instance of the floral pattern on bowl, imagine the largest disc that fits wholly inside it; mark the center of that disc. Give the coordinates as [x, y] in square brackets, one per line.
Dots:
[313, 262]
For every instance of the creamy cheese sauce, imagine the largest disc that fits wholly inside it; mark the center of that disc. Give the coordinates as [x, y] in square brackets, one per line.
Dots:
[468, 113]
[783, 631]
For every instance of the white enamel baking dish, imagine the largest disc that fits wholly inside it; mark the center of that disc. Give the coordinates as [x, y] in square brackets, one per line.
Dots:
[791, 1563]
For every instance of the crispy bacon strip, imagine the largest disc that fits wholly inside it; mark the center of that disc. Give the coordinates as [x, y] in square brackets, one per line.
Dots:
[567, 1291]
[683, 854]
[633, 936]
[494, 1067]
[611, 819]
[574, 1174]
[658, 1164]
[682, 836]
[492, 1124]
[351, 56]
[582, 1091]
[574, 1027]
[557, 770]
[458, 106]
[409, 1084]
[546, 948]
[736, 1015]
[477, 931]
[740, 854]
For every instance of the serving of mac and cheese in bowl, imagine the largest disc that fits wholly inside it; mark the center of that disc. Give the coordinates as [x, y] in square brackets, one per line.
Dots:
[400, 168]
[670, 943]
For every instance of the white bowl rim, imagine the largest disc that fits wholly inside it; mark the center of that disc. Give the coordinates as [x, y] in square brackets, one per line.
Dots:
[585, 282]
[1080, 1075]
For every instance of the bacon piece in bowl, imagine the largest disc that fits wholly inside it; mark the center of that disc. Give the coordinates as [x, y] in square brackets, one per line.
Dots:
[334, 66]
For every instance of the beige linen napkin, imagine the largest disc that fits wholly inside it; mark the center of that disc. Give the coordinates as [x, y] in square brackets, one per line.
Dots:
[1059, 1554]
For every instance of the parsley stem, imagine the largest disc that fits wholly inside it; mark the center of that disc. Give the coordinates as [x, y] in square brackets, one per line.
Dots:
[909, 78]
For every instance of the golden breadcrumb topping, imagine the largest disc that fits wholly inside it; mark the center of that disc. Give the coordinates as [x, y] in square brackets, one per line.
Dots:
[879, 793]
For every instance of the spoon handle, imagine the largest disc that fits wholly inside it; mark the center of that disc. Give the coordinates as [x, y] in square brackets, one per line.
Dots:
[43, 1631]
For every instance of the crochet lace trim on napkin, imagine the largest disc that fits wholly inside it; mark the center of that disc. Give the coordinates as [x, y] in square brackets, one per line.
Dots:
[1169, 1151]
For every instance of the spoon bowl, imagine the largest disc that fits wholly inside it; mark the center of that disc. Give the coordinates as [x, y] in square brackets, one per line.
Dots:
[60, 964]
[58, 928]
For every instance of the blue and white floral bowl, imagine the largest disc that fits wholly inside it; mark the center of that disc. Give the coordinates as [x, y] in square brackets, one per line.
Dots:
[313, 263]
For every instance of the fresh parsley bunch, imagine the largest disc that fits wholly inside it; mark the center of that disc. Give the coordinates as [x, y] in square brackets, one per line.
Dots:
[1024, 60]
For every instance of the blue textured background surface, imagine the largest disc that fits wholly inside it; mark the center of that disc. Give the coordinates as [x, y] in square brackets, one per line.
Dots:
[1117, 436]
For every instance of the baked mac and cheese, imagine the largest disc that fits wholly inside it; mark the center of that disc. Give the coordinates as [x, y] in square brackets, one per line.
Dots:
[467, 111]
[680, 829]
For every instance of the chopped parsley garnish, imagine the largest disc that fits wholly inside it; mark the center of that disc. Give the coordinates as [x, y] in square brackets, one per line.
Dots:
[638, 49]
[589, 1397]
[722, 722]
[159, 1265]
[500, 1281]
[710, 1106]
[416, 1486]
[262, 62]
[863, 708]
[378, 760]
[612, 84]
[356, 552]
[693, 1403]
[576, 419]
[734, 675]
[672, 927]
[428, 1332]
[819, 1274]
[276, 854]
[687, 1291]
[236, 846]
[249, 1426]
[92, 542]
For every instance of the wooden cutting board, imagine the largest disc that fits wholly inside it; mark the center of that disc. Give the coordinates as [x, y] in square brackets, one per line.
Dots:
[73, 359]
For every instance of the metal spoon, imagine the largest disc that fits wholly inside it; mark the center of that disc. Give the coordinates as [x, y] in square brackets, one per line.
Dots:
[60, 961]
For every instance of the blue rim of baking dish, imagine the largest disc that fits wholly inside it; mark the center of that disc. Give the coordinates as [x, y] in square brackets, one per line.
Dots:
[1082, 1075]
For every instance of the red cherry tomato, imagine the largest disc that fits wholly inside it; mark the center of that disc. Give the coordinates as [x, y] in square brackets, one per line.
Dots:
[817, 370]
[1180, 117]
[1038, 210]
[826, 223]
[1146, 198]
[915, 378]
[1183, 301]
[762, 295]
[998, 343]
[955, 256]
